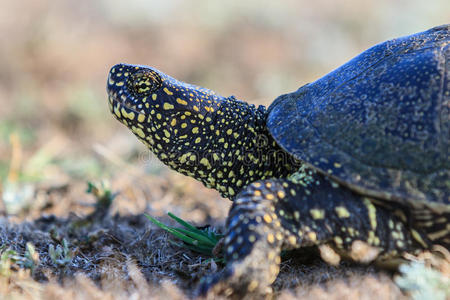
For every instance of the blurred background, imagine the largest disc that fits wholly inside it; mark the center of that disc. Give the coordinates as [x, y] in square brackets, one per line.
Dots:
[56, 132]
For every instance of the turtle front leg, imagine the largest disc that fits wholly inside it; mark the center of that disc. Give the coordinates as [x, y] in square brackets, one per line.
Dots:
[303, 210]
[252, 244]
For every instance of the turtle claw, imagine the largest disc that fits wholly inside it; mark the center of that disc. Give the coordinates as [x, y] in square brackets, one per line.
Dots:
[216, 284]
[229, 284]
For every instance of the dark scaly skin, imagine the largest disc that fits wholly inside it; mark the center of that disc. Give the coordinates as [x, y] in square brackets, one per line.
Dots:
[380, 125]
[283, 214]
[223, 142]
[278, 204]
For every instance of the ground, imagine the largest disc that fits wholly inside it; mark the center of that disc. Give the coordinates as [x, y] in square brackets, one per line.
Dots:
[56, 135]
[119, 255]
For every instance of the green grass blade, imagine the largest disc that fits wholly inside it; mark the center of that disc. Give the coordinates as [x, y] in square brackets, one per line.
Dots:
[213, 237]
[185, 224]
[197, 240]
[172, 231]
[200, 237]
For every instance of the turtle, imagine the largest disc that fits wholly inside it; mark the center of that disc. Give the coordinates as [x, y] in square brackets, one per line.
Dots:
[356, 162]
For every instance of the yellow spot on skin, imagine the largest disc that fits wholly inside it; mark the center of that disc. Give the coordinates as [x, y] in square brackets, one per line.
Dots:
[337, 165]
[317, 213]
[205, 162]
[141, 118]
[252, 286]
[229, 131]
[418, 238]
[270, 197]
[182, 158]
[139, 132]
[279, 236]
[166, 90]
[338, 240]
[391, 224]
[174, 122]
[270, 238]
[351, 231]
[257, 184]
[274, 269]
[181, 101]
[167, 106]
[267, 218]
[312, 236]
[280, 194]
[371, 238]
[342, 212]
[131, 116]
[271, 255]
[166, 133]
[117, 112]
[195, 108]
[195, 130]
[198, 140]
[257, 193]
[154, 96]
[231, 191]
[278, 260]
[372, 212]
[120, 83]
[292, 240]
[124, 113]
[252, 238]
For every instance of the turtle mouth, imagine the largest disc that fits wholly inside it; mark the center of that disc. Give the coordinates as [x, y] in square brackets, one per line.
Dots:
[121, 101]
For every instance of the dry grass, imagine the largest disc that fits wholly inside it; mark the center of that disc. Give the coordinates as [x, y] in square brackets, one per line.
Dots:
[122, 257]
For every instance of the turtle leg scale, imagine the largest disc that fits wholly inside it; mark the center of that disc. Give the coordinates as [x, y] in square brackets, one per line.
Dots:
[305, 209]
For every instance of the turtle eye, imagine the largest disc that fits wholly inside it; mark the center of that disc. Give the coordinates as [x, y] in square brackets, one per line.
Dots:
[144, 82]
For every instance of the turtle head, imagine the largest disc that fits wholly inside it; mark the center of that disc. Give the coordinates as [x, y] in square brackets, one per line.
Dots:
[192, 129]
[171, 117]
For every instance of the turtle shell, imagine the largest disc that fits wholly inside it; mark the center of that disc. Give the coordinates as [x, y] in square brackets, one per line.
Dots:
[379, 124]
